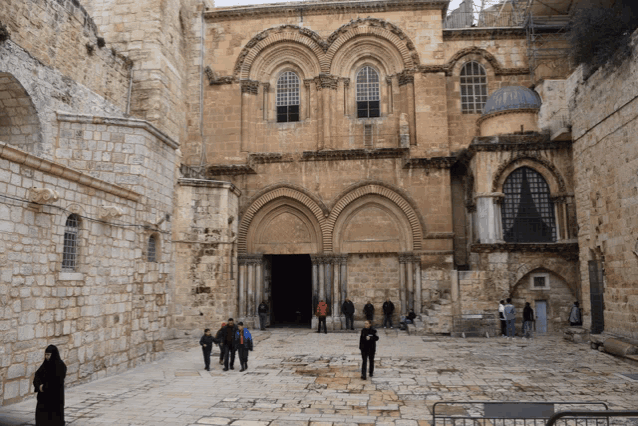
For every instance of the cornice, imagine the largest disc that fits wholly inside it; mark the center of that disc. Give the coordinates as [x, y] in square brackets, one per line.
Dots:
[209, 183]
[522, 142]
[567, 249]
[270, 157]
[429, 163]
[229, 170]
[321, 7]
[483, 33]
[51, 168]
[354, 154]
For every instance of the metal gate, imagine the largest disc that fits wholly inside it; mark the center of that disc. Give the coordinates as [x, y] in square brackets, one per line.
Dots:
[512, 413]
[596, 290]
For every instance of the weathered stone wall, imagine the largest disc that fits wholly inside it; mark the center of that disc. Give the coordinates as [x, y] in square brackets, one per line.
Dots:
[604, 121]
[61, 35]
[107, 315]
[205, 229]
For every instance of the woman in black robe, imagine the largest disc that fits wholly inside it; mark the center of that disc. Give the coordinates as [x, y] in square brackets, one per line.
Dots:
[49, 384]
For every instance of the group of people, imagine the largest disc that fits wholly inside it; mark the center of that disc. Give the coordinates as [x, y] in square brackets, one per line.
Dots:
[231, 339]
[507, 316]
[347, 309]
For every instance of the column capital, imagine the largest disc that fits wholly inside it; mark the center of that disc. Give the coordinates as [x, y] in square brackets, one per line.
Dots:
[250, 259]
[249, 86]
[326, 81]
[406, 257]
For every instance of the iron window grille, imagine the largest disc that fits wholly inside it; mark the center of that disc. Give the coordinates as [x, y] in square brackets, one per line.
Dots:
[473, 88]
[288, 97]
[528, 212]
[70, 247]
[151, 253]
[367, 93]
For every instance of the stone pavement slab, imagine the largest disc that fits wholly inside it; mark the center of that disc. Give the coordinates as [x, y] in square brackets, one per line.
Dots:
[297, 377]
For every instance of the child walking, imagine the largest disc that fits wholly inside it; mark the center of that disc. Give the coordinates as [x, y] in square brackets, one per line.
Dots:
[243, 343]
[206, 342]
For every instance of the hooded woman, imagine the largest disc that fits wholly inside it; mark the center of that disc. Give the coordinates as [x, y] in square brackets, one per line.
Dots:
[49, 384]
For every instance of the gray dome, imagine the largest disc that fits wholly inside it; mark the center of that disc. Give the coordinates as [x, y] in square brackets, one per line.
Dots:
[511, 98]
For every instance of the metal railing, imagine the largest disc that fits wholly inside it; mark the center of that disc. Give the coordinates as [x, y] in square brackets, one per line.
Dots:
[579, 415]
[512, 413]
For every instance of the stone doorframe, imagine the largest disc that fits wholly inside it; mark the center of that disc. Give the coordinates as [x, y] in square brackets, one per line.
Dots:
[250, 289]
[329, 283]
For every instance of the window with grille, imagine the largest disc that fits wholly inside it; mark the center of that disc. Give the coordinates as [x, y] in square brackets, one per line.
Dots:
[70, 248]
[473, 88]
[527, 212]
[367, 93]
[151, 253]
[288, 97]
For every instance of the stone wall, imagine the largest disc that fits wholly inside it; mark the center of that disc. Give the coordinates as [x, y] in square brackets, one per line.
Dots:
[108, 314]
[61, 35]
[603, 112]
[206, 270]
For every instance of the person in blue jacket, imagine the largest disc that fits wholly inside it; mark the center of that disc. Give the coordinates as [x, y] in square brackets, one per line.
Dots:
[243, 343]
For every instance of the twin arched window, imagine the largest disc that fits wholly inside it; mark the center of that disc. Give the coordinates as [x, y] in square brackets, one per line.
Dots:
[473, 88]
[70, 246]
[288, 97]
[527, 211]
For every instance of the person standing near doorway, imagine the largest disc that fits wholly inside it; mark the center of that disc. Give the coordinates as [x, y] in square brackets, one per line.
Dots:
[510, 317]
[528, 320]
[368, 310]
[322, 313]
[501, 316]
[368, 346]
[388, 310]
[575, 316]
[228, 338]
[347, 308]
[49, 384]
[263, 312]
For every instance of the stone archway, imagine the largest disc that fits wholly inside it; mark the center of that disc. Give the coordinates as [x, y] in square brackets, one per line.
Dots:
[19, 122]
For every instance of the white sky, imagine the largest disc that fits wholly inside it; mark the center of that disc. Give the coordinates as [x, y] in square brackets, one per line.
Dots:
[225, 3]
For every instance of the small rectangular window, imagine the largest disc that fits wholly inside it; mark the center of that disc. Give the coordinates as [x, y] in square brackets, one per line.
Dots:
[367, 136]
[539, 282]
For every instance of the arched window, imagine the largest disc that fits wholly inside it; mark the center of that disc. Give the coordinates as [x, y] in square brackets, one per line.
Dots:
[473, 88]
[70, 248]
[151, 251]
[528, 212]
[288, 97]
[367, 93]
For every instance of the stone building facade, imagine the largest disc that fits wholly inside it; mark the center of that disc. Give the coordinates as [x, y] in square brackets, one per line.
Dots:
[167, 165]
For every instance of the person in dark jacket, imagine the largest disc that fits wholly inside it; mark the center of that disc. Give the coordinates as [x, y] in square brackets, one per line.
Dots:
[368, 310]
[220, 343]
[322, 313]
[347, 308]
[575, 315]
[243, 343]
[49, 384]
[206, 343]
[227, 337]
[263, 312]
[368, 346]
[388, 310]
[501, 317]
[528, 320]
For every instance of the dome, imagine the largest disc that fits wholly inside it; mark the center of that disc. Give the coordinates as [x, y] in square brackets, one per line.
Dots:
[511, 98]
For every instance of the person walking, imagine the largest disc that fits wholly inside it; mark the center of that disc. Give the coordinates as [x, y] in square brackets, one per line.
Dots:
[347, 309]
[368, 310]
[206, 342]
[575, 316]
[220, 343]
[528, 320]
[510, 317]
[322, 312]
[49, 384]
[368, 346]
[501, 316]
[388, 310]
[263, 312]
[243, 343]
[227, 336]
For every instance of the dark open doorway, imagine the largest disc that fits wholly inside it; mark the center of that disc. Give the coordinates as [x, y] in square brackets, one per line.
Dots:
[291, 290]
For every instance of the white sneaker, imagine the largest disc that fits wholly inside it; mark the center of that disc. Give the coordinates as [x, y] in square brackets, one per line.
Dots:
[385, 327]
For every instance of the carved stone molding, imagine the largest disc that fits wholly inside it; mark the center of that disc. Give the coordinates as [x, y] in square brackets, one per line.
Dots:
[346, 82]
[439, 236]
[249, 86]
[429, 163]
[491, 59]
[353, 154]
[43, 195]
[110, 212]
[534, 157]
[406, 257]
[568, 250]
[229, 170]
[453, 34]
[213, 79]
[326, 81]
[307, 82]
[405, 77]
[531, 141]
[250, 259]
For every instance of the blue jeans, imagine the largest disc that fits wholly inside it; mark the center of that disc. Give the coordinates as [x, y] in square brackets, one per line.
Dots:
[527, 328]
[387, 319]
[511, 329]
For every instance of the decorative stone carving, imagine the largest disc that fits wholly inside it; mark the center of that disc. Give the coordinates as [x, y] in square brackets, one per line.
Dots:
[110, 212]
[404, 131]
[346, 82]
[43, 195]
[405, 77]
[249, 86]
[326, 81]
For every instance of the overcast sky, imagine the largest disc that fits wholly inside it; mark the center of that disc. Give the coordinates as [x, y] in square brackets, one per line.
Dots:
[225, 3]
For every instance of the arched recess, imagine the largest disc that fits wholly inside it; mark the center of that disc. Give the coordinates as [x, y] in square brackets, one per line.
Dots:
[19, 122]
[409, 213]
[485, 58]
[372, 224]
[549, 172]
[290, 34]
[356, 48]
[272, 57]
[286, 196]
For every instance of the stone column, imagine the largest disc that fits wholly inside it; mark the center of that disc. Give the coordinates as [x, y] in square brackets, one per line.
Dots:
[249, 88]
[407, 79]
[315, 289]
[259, 281]
[241, 302]
[325, 84]
[250, 299]
[402, 290]
[418, 302]
[328, 281]
[320, 284]
[410, 281]
[336, 291]
[344, 277]
[266, 89]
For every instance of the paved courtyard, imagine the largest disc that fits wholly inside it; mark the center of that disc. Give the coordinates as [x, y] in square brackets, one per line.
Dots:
[297, 377]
